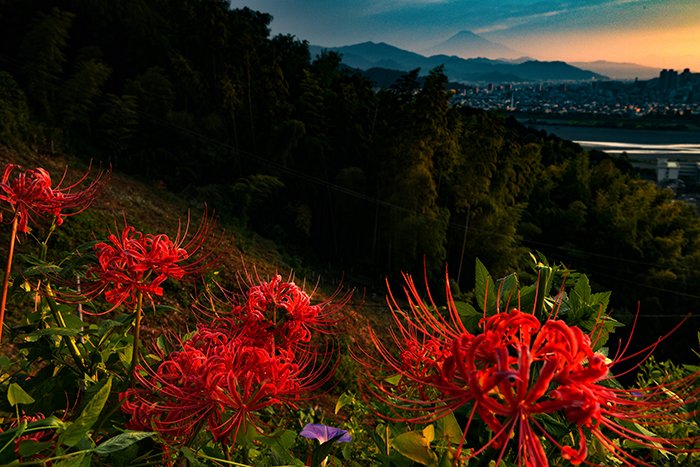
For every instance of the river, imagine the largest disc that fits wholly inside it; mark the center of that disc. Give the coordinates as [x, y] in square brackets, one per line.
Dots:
[643, 147]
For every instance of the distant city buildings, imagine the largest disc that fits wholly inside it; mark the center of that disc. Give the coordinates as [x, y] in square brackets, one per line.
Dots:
[672, 93]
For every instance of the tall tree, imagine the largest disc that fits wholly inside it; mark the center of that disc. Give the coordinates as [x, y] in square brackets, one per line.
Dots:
[43, 55]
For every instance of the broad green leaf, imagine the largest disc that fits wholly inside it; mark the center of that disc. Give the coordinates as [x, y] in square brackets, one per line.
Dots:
[16, 395]
[5, 362]
[582, 291]
[485, 289]
[49, 422]
[508, 292]
[415, 446]
[545, 275]
[429, 434]
[527, 298]
[125, 356]
[470, 316]
[29, 447]
[446, 459]
[42, 270]
[393, 380]
[73, 322]
[80, 427]
[448, 428]
[121, 441]
[344, 399]
[191, 457]
[321, 452]
[651, 435]
[72, 461]
[280, 444]
[55, 332]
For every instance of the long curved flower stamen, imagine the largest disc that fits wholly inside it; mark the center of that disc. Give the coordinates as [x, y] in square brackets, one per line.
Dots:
[516, 369]
[30, 194]
[130, 263]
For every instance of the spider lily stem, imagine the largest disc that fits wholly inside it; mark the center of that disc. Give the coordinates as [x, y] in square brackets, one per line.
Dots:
[6, 280]
[137, 337]
[70, 343]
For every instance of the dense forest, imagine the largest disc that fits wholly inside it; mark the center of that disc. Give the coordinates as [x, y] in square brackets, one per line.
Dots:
[201, 98]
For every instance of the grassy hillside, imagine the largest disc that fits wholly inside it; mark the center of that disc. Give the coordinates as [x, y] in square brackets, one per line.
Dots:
[277, 365]
[147, 205]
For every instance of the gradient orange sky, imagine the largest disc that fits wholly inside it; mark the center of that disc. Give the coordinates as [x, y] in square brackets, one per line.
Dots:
[656, 33]
[660, 48]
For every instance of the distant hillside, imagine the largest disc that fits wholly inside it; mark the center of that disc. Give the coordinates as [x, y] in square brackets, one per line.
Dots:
[369, 55]
[466, 44]
[622, 71]
[382, 77]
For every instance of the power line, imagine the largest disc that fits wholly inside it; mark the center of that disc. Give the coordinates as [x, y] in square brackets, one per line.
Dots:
[379, 202]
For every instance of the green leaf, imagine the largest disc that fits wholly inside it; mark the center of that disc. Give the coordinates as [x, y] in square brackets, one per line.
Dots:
[5, 363]
[485, 289]
[470, 316]
[415, 446]
[16, 395]
[429, 434]
[191, 457]
[29, 447]
[49, 422]
[121, 441]
[42, 270]
[448, 428]
[80, 427]
[281, 444]
[345, 399]
[508, 292]
[394, 379]
[72, 461]
[72, 321]
[464, 309]
[321, 452]
[582, 291]
[55, 332]
[545, 274]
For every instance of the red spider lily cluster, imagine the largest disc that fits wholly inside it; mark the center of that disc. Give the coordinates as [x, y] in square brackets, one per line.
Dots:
[259, 353]
[30, 194]
[133, 263]
[42, 436]
[510, 374]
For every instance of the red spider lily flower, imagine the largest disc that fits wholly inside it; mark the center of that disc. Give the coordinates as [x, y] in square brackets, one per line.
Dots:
[286, 310]
[30, 193]
[219, 382]
[513, 372]
[275, 311]
[31, 437]
[133, 263]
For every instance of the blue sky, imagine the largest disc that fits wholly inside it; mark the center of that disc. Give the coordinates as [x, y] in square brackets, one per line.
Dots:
[662, 33]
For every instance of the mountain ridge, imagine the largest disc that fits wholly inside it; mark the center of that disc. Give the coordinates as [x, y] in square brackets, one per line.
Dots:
[366, 55]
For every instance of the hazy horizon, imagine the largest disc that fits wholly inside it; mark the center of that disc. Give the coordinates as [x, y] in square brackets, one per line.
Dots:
[655, 33]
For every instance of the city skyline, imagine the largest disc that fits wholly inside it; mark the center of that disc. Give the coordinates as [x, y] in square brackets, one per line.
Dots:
[656, 33]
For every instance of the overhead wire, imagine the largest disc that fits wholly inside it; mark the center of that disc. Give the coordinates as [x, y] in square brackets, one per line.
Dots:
[387, 204]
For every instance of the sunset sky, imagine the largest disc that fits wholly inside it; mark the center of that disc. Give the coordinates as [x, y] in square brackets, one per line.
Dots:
[658, 33]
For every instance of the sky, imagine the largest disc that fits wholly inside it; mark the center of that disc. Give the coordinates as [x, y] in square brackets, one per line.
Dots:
[657, 33]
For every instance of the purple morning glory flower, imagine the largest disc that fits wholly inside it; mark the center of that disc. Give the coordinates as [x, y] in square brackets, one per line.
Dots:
[323, 433]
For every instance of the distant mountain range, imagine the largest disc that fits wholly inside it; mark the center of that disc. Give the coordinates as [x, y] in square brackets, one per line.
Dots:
[368, 55]
[623, 71]
[469, 57]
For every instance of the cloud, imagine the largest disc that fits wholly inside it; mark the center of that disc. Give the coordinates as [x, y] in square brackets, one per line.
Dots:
[561, 14]
[519, 21]
[387, 6]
